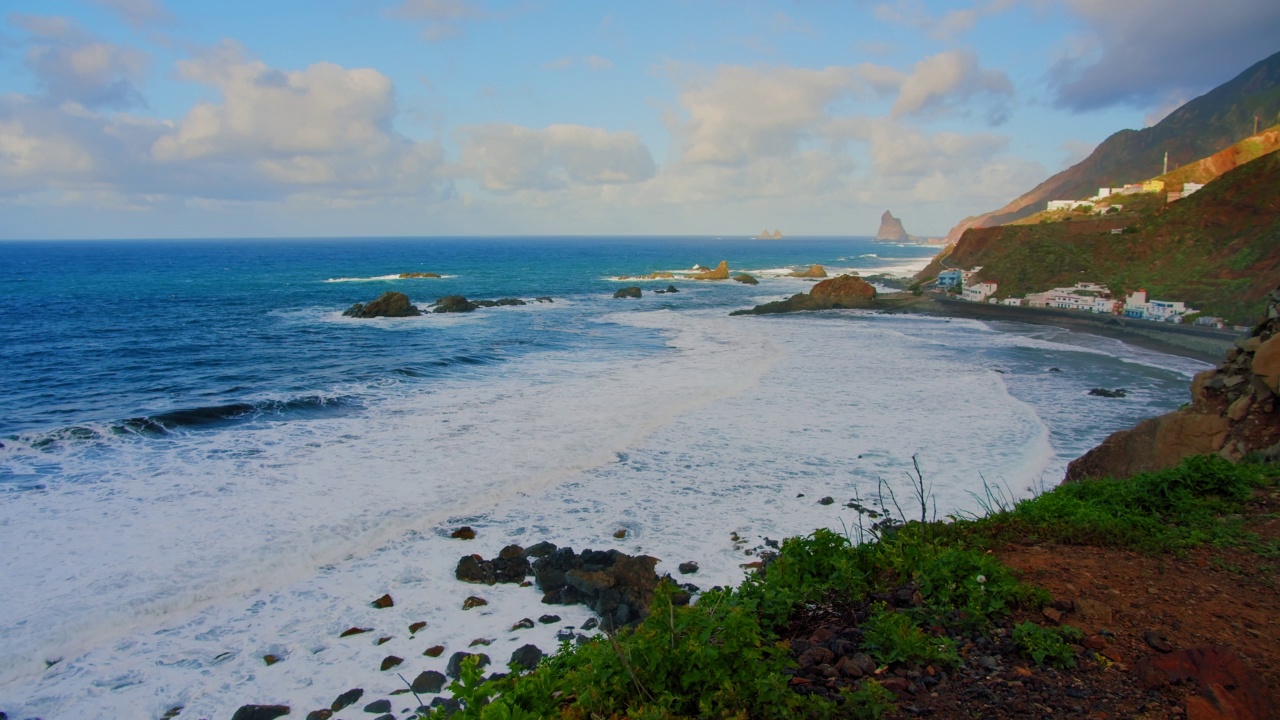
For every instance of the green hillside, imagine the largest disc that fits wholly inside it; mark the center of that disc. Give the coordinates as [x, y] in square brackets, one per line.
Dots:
[1219, 249]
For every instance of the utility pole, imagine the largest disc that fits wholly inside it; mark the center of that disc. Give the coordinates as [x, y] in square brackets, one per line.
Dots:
[1166, 163]
[1255, 124]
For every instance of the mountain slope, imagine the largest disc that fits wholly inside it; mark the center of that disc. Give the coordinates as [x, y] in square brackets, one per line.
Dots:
[1219, 249]
[1198, 129]
[1206, 169]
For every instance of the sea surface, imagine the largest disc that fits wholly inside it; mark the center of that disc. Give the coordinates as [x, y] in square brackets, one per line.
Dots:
[204, 463]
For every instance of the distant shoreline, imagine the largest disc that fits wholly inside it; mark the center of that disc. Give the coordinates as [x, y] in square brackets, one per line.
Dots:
[1205, 344]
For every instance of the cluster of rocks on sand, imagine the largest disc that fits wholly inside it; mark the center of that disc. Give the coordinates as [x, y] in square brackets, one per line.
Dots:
[1233, 412]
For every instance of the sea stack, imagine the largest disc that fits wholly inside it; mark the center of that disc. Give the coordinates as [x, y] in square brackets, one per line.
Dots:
[891, 229]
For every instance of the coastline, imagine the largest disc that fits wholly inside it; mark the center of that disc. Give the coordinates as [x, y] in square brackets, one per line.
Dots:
[1197, 343]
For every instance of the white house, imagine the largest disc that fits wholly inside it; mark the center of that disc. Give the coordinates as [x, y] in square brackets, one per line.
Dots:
[979, 292]
[950, 278]
[1016, 302]
[1137, 305]
[1084, 296]
[1055, 205]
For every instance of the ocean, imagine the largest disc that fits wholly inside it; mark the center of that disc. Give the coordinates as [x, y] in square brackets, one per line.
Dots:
[203, 462]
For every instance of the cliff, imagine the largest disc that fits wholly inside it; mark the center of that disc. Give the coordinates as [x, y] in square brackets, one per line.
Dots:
[891, 229]
[1233, 412]
[1198, 129]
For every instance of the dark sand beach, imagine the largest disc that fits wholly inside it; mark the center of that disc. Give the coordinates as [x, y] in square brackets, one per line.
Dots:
[1207, 344]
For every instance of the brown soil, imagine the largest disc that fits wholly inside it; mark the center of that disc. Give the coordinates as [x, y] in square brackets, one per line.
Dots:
[1126, 603]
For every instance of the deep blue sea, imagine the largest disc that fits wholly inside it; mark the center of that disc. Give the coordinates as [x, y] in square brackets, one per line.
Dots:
[203, 462]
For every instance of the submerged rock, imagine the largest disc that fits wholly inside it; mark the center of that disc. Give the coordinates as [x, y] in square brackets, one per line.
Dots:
[1103, 392]
[389, 304]
[260, 712]
[746, 279]
[454, 303]
[632, 291]
[412, 275]
[346, 699]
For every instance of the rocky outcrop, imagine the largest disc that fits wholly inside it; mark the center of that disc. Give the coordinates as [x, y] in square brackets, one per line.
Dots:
[388, 304]
[840, 292]
[746, 279]
[511, 566]
[891, 229]
[720, 273]
[502, 302]
[454, 304]
[414, 275]
[616, 586]
[628, 292]
[1233, 411]
[814, 271]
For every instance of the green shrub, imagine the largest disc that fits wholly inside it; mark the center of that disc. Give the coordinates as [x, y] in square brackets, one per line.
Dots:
[1046, 645]
[893, 637]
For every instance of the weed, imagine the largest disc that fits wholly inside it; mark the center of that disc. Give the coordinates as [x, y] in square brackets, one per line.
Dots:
[893, 637]
[1047, 645]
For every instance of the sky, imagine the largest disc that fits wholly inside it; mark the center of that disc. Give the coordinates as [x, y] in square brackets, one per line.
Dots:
[308, 118]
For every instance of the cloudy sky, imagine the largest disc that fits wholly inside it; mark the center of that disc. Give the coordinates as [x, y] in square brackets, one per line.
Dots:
[178, 118]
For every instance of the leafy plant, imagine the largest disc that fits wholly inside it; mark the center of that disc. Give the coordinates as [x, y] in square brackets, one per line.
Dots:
[894, 637]
[1047, 645]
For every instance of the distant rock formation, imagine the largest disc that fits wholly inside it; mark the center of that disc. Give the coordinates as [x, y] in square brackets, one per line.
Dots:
[632, 291]
[891, 229]
[814, 271]
[389, 304]
[1232, 413]
[412, 275]
[720, 273]
[840, 292]
[766, 235]
[454, 303]
[746, 279]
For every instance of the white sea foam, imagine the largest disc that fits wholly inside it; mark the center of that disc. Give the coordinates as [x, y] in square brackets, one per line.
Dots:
[380, 278]
[165, 580]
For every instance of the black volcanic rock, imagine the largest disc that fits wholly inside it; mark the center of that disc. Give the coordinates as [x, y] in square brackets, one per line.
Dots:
[389, 304]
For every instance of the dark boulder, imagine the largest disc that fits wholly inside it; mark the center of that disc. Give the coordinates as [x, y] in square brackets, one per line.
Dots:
[526, 656]
[378, 706]
[632, 291]
[428, 682]
[389, 304]
[1103, 392]
[454, 303]
[504, 302]
[347, 699]
[687, 568]
[746, 279]
[672, 289]
[511, 566]
[840, 292]
[454, 668]
[617, 586]
[260, 712]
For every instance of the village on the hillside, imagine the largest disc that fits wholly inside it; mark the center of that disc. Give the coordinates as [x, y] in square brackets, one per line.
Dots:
[1088, 297]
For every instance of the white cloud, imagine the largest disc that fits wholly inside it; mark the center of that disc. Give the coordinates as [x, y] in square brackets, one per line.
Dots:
[71, 65]
[508, 158]
[443, 18]
[952, 24]
[940, 82]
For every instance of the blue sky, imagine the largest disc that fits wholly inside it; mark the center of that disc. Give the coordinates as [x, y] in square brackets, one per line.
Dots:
[174, 118]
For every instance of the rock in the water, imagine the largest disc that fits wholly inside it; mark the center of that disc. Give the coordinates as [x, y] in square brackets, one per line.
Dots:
[814, 271]
[840, 292]
[475, 569]
[378, 706]
[415, 627]
[347, 699]
[448, 706]
[673, 289]
[632, 291]
[549, 619]
[454, 668]
[390, 661]
[474, 602]
[463, 533]
[454, 303]
[428, 682]
[891, 229]
[434, 651]
[322, 714]
[746, 279]
[260, 712]
[511, 566]
[1103, 392]
[688, 568]
[522, 624]
[383, 602]
[526, 656]
[270, 659]
[413, 275]
[617, 586]
[720, 273]
[389, 304]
